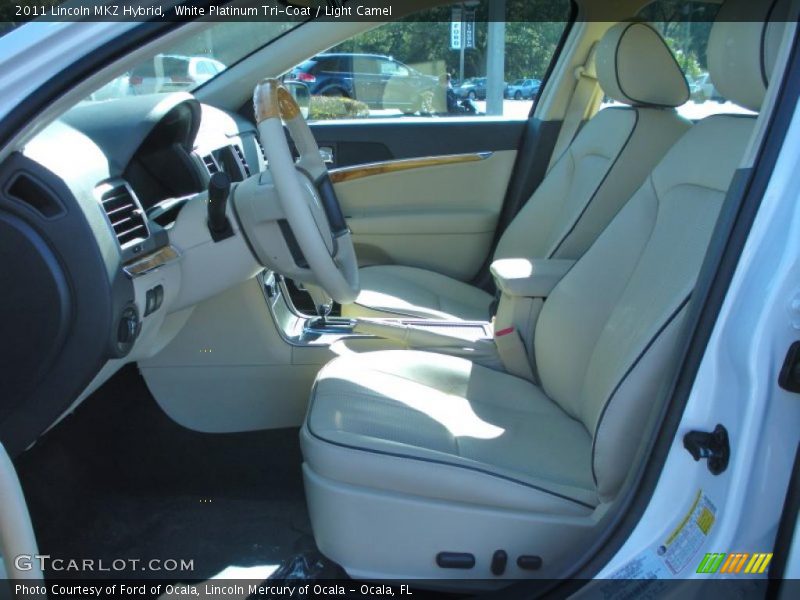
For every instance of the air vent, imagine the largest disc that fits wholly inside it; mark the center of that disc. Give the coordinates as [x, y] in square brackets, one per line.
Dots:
[211, 164]
[124, 213]
[242, 159]
[261, 149]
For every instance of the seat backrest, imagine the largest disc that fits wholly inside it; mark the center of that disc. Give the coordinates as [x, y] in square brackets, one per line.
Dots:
[606, 334]
[611, 155]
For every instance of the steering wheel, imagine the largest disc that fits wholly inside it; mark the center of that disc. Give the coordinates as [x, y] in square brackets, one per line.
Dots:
[305, 192]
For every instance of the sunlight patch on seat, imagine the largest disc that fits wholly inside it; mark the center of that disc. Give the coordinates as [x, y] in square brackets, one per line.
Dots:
[453, 412]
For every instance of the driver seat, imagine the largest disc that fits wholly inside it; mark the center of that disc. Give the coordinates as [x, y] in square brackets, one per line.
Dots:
[420, 465]
[601, 168]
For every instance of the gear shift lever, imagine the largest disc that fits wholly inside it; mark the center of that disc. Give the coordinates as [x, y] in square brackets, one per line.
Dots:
[323, 303]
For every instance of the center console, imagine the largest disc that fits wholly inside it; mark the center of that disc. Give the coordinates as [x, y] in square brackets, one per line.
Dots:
[473, 340]
[505, 344]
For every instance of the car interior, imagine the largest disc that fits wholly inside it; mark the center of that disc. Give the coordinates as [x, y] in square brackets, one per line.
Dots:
[494, 312]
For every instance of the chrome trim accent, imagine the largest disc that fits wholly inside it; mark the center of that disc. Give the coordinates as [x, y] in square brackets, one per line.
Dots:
[305, 336]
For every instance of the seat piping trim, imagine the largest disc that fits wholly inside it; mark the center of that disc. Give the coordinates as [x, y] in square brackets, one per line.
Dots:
[633, 365]
[434, 461]
[634, 101]
[602, 181]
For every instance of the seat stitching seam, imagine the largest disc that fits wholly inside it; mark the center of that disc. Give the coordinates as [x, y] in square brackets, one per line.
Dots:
[689, 184]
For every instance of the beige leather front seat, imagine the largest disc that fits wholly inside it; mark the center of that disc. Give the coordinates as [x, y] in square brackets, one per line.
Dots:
[409, 454]
[604, 165]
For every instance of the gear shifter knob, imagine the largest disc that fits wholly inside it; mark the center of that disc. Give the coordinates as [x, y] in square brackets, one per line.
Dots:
[322, 301]
[219, 188]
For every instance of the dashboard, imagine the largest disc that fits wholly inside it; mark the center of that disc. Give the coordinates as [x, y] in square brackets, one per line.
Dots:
[90, 211]
[165, 147]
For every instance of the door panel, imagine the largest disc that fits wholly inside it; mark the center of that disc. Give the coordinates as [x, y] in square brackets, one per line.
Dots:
[359, 142]
[434, 196]
[439, 214]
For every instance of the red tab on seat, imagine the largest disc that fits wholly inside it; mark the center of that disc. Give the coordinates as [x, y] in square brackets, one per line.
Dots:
[505, 331]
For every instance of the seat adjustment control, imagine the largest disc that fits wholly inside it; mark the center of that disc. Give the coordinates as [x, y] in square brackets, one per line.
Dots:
[713, 446]
[455, 560]
[499, 562]
[529, 562]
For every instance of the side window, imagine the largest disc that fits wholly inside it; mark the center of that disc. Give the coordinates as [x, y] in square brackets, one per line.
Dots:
[393, 69]
[364, 65]
[329, 65]
[687, 37]
[441, 62]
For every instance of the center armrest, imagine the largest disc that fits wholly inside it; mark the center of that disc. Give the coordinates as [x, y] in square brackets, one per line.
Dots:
[530, 278]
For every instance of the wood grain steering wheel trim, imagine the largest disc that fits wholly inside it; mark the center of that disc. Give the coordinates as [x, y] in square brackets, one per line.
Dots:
[272, 100]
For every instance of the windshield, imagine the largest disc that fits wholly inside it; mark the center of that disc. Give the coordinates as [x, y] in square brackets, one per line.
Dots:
[192, 62]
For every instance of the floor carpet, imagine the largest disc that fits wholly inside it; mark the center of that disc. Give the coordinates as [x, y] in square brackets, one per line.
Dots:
[119, 479]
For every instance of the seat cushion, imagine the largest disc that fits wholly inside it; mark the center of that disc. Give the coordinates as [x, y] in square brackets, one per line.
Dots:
[394, 290]
[442, 427]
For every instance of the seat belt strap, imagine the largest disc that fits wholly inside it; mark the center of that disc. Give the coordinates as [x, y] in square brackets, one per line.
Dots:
[584, 102]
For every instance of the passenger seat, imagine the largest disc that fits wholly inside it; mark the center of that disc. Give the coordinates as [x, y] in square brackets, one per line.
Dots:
[417, 462]
[605, 163]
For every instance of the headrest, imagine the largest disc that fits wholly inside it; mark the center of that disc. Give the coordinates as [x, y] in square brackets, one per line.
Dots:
[742, 49]
[635, 66]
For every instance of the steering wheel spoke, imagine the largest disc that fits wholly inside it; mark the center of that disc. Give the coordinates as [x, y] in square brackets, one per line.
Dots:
[306, 193]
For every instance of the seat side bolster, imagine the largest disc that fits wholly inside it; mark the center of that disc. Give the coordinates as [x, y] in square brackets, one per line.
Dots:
[624, 416]
[655, 132]
[569, 187]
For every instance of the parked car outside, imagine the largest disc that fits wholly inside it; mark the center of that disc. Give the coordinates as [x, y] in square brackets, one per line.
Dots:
[116, 88]
[473, 88]
[702, 89]
[523, 89]
[172, 73]
[380, 81]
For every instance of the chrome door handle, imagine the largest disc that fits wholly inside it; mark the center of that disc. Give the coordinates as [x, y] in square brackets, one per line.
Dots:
[326, 152]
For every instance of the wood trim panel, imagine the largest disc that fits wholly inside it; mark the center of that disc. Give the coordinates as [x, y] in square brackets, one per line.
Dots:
[393, 166]
[145, 264]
